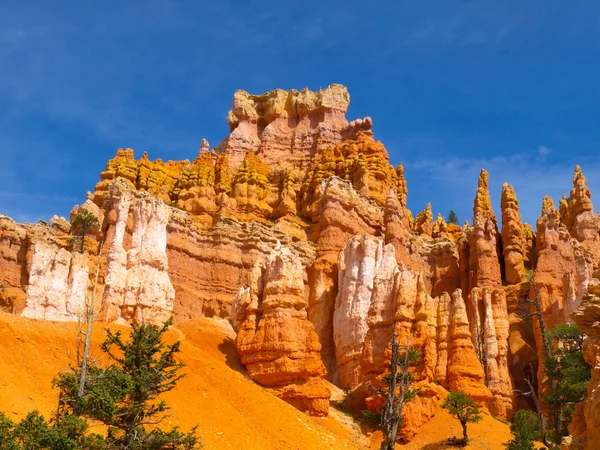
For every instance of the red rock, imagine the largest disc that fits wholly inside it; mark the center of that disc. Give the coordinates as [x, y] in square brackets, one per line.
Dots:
[276, 342]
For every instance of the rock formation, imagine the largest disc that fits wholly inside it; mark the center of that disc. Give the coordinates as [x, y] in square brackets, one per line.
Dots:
[276, 342]
[273, 123]
[297, 226]
[484, 263]
[587, 317]
[137, 285]
[58, 284]
[512, 237]
[579, 217]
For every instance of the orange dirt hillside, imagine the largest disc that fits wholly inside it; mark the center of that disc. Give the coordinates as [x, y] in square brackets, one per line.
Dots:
[231, 411]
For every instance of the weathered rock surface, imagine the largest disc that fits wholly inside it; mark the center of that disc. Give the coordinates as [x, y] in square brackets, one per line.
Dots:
[586, 432]
[579, 217]
[273, 123]
[58, 284]
[513, 237]
[276, 342]
[137, 284]
[484, 262]
[183, 238]
[339, 212]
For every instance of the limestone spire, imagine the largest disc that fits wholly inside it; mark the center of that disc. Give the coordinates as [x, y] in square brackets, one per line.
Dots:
[424, 221]
[401, 185]
[512, 236]
[482, 205]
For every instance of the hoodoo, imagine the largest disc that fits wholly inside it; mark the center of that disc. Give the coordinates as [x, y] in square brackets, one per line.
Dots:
[296, 229]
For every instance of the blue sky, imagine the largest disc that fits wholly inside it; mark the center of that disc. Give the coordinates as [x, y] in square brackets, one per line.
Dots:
[452, 86]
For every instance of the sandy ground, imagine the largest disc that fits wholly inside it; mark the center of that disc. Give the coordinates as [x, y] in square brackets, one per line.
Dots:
[230, 410]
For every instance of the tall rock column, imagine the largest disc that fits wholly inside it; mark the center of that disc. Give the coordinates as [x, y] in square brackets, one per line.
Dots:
[137, 285]
[579, 217]
[359, 263]
[555, 263]
[486, 307]
[512, 237]
[464, 370]
[484, 262]
[339, 213]
[276, 342]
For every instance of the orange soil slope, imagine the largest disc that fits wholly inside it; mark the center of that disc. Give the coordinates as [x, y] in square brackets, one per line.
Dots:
[231, 411]
[488, 434]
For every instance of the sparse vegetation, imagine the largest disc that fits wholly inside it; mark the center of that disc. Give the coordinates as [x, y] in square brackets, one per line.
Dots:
[82, 224]
[370, 417]
[396, 390]
[123, 396]
[452, 217]
[568, 374]
[525, 428]
[465, 410]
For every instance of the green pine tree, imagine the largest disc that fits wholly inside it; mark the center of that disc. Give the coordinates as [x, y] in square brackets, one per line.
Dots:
[452, 217]
[465, 409]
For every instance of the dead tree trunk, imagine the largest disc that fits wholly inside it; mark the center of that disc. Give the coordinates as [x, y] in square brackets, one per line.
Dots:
[88, 337]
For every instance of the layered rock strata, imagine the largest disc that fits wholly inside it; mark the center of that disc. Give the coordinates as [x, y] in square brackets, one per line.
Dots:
[137, 286]
[586, 432]
[182, 237]
[276, 342]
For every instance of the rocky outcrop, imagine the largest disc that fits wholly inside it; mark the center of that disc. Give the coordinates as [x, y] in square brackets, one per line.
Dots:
[58, 284]
[484, 263]
[363, 162]
[273, 123]
[587, 431]
[196, 238]
[424, 222]
[555, 268]
[137, 284]
[339, 212]
[578, 216]
[208, 266]
[513, 244]
[276, 342]
[464, 370]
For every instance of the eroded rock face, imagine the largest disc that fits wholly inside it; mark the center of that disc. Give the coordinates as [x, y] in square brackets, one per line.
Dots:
[366, 268]
[196, 238]
[276, 342]
[58, 284]
[339, 212]
[579, 217]
[586, 433]
[137, 285]
[208, 267]
[512, 237]
[376, 297]
[274, 122]
[484, 262]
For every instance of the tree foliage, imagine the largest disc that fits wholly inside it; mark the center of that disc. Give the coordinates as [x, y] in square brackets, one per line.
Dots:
[396, 389]
[525, 428]
[34, 432]
[568, 375]
[83, 222]
[452, 217]
[124, 395]
[464, 409]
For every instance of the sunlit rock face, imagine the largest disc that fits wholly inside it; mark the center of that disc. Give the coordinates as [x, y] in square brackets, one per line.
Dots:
[585, 427]
[296, 227]
[58, 284]
[276, 342]
[137, 284]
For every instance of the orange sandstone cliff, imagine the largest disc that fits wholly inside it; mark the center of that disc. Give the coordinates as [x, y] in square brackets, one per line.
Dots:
[296, 229]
